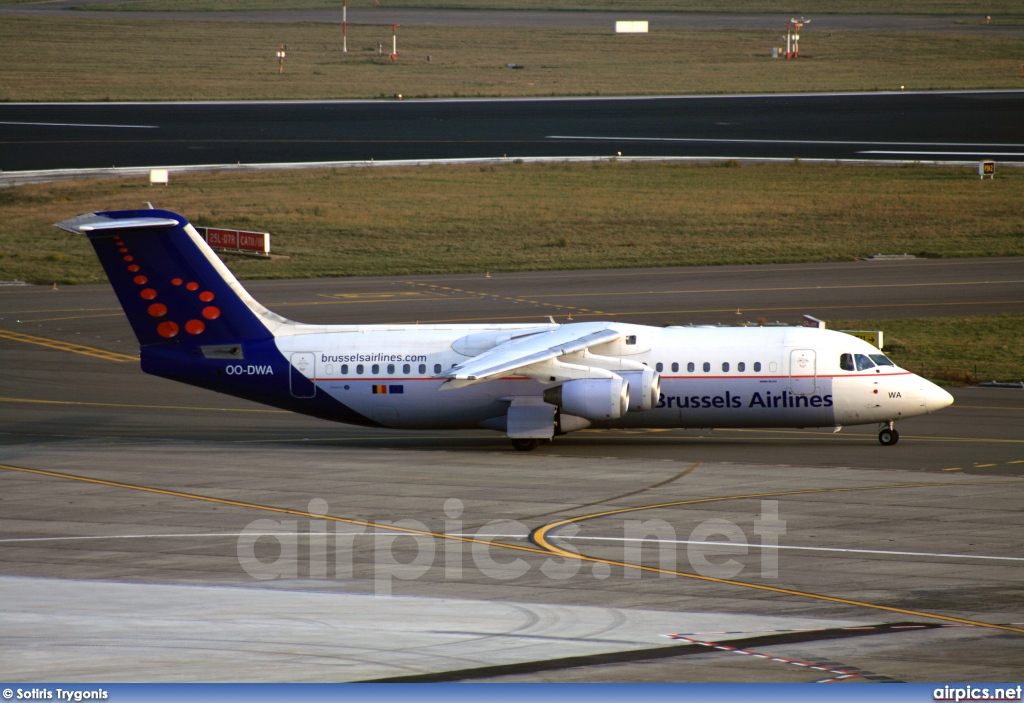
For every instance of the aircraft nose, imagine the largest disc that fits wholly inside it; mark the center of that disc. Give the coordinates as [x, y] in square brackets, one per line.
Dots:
[935, 398]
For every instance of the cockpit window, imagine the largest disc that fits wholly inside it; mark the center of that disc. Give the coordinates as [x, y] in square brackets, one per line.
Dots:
[881, 359]
[846, 362]
[864, 363]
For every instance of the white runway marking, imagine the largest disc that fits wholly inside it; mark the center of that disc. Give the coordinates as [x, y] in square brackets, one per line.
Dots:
[78, 124]
[980, 154]
[759, 546]
[811, 549]
[504, 536]
[698, 140]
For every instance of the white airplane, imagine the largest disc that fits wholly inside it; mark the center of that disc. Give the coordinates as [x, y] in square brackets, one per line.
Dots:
[196, 324]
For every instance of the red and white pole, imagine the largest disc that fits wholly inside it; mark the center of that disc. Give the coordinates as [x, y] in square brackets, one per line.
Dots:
[344, 26]
[394, 42]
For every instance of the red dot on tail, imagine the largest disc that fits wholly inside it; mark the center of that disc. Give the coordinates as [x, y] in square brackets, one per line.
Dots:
[176, 281]
[206, 296]
[140, 280]
[148, 293]
[157, 309]
[194, 326]
[167, 329]
[211, 312]
[129, 258]
[133, 268]
[192, 285]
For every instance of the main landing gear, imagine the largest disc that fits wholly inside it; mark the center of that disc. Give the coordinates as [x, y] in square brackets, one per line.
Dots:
[888, 436]
[525, 444]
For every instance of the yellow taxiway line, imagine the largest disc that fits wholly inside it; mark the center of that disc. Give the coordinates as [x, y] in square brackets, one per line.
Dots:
[147, 407]
[67, 346]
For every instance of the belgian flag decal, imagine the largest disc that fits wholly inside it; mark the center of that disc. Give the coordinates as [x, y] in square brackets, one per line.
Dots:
[381, 389]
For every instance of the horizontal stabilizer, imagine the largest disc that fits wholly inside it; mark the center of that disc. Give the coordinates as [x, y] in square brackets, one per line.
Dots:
[98, 223]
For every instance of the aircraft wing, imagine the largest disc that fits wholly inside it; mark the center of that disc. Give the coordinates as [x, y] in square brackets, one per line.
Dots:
[533, 349]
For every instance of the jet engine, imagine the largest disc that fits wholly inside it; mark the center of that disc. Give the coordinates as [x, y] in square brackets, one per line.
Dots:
[644, 388]
[592, 398]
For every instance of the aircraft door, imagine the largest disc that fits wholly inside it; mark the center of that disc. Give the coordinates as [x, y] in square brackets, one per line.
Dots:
[803, 372]
[302, 374]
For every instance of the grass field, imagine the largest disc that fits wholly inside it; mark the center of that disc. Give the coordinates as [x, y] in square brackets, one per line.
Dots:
[515, 217]
[958, 350]
[54, 59]
[939, 7]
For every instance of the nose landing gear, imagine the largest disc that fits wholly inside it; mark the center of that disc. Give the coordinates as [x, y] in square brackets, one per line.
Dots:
[888, 436]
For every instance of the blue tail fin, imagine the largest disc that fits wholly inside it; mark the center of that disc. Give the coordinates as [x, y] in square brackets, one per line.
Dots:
[173, 288]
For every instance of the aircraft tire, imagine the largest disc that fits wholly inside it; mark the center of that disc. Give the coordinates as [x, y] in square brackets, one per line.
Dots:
[525, 444]
[888, 437]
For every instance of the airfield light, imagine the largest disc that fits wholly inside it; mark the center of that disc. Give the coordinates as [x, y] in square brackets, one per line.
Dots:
[280, 59]
[394, 42]
[344, 26]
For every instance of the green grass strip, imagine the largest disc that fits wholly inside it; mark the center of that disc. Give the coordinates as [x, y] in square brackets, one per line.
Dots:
[50, 59]
[519, 217]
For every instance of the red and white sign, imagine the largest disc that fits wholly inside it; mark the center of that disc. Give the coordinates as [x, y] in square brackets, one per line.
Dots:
[236, 240]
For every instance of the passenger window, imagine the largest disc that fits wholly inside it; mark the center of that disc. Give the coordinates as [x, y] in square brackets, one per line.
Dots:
[741, 367]
[881, 359]
[359, 369]
[423, 368]
[344, 369]
[437, 368]
[406, 369]
[659, 367]
[725, 367]
[391, 369]
[675, 365]
[707, 367]
[631, 339]
[846, 362]
[864, 363]
[690, 367]
[757, 366]
[375, 369]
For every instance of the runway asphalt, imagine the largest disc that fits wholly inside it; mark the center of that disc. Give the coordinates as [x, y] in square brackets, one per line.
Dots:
[925, 127]
[127, 509]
